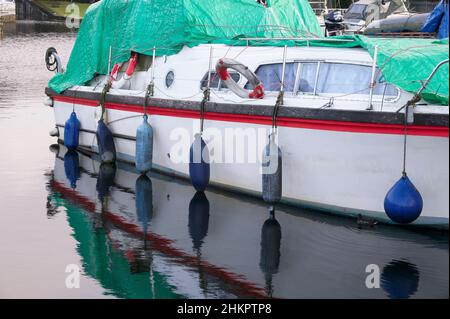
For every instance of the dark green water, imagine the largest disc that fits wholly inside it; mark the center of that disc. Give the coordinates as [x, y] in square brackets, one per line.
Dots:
[186, 245]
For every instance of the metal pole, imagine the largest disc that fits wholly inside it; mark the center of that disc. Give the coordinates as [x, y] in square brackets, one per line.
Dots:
[210, 66]
[283, 69]
[206, 92]
[109, 60]
[372, 79]
[153, 65]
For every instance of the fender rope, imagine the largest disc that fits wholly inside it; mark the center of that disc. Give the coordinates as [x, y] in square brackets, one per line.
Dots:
[150, 91]
[276, 109]
[103, 97]
[206, 96]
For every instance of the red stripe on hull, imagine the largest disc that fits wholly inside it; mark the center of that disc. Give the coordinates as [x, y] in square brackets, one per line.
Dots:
[325, 125]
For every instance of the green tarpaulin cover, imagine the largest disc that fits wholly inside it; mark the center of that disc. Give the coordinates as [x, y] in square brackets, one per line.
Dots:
[408, 62]
[168, 25]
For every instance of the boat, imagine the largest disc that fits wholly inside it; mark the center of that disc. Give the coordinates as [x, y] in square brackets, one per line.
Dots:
[362, 13]
[7, 6]
[177, 243]
[434, 24]
[52, 10]
[7, 14]
[342, 127]
[397, 24]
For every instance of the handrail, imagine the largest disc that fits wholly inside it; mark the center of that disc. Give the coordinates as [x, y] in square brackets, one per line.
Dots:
[372, 78]
[308, 40]
[431, 76]
[416, 98]
[297, 39]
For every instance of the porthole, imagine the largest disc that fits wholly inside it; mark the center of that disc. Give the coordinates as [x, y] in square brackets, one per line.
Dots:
[170, 77]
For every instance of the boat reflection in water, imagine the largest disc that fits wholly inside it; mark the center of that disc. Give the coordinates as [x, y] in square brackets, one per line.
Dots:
[153, 236]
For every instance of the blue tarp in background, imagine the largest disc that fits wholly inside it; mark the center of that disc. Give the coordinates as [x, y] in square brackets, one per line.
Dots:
[438, 20]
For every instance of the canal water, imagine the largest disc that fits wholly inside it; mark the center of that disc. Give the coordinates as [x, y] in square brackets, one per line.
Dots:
[154, 237]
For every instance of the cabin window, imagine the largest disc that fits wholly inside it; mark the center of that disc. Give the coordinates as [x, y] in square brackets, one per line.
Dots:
[343, 78]
[340, 79]
[356, 11]
[320, 77]
[216, 82]
[385, 89]
[270, 76]
[308, 76]
[170, 77]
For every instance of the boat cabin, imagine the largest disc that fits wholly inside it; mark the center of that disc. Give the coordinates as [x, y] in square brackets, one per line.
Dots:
[316, 77]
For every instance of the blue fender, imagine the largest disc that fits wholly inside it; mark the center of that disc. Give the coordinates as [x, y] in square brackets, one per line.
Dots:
[403, 203]
[199, 167]
[72, 132]
[272, 173]
[106, 146]
[144, 147]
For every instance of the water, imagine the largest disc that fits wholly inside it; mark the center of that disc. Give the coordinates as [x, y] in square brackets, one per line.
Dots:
[178, 244]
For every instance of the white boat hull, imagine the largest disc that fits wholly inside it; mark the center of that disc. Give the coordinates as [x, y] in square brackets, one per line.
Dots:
[338, 171]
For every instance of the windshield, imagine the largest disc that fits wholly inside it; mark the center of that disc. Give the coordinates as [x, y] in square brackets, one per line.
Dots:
[356, 11]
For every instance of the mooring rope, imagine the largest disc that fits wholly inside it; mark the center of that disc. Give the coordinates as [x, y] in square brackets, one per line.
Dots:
[405, 140]
[75, 98]
[416, 98]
